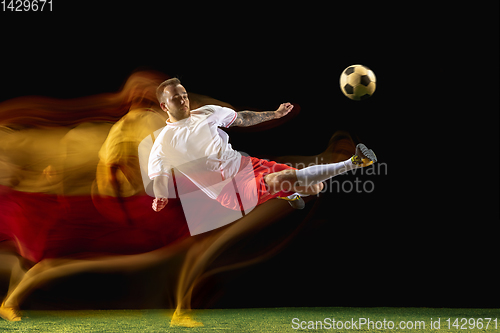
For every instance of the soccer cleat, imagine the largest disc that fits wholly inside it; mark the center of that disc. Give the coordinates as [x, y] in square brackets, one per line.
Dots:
[364, 156]
[296, 202]
[9, 313]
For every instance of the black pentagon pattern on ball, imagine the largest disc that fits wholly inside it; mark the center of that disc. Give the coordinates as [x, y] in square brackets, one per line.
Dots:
[364, 80]
[365, 96]
[349, 70]
[348, 88]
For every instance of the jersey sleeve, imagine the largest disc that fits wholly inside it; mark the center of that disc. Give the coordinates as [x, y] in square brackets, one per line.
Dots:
[223, 116]
[157, 165]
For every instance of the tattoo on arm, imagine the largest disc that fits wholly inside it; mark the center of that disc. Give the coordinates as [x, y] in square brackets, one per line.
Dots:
[250, 118]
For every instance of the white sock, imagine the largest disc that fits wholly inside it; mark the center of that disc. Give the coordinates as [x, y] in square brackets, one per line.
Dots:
[318, 173]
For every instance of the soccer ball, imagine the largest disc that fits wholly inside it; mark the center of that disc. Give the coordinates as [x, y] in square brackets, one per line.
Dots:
[358, 82]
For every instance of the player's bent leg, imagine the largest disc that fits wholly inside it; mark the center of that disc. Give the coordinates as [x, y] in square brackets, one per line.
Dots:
[309, 190]
[286, 181]
[281, 181]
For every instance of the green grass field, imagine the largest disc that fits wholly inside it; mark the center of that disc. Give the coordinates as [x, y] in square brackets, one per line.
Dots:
[261, 320]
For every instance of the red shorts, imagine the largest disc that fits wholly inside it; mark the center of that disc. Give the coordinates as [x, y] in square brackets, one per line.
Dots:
[251, 185]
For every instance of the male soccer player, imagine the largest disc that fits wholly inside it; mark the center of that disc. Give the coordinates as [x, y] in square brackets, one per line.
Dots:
[193, 144]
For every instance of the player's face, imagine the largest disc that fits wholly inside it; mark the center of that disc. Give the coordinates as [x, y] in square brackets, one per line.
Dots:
[177, 102]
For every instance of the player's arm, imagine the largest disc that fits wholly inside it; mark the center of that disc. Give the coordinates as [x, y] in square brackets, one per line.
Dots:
[160, 188]
[250, 118]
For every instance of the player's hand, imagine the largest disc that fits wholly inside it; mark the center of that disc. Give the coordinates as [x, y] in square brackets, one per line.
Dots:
[283, 110]
[159, 204]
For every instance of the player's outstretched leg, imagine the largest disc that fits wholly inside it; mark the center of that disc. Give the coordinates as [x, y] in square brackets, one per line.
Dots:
[318, 173]
[308, 181]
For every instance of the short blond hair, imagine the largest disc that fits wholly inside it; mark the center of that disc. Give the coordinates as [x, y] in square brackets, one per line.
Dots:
[161, 88]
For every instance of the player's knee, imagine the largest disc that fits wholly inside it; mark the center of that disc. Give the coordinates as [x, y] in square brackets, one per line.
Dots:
[314, 189]
[280, 181]
[318, 188]
[285, 181]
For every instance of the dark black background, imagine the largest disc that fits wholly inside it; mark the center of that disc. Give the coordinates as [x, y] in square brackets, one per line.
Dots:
[427, 234]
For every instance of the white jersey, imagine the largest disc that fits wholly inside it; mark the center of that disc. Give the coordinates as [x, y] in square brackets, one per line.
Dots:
[198, 148]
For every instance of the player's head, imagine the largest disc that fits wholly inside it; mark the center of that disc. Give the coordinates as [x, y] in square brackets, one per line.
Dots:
[173, 98]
